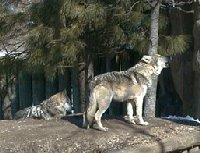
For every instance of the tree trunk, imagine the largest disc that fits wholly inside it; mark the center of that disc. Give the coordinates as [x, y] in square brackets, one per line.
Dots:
[153, 45]
[16, 104]
[69, 86]
[1, 109]
[63, 81]
[150, 98]
[38, 88]
[10, 98]
[89, 74]
[81, 80]
[75, 90]
[3, 92]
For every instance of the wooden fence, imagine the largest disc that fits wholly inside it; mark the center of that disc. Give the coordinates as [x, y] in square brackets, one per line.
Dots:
[27, 89]
[32, 88]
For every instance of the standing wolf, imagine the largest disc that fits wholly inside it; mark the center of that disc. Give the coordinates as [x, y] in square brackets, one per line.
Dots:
[55, 107]
[130, 85]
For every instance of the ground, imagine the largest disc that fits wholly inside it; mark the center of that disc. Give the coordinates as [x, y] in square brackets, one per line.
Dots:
[67, 136]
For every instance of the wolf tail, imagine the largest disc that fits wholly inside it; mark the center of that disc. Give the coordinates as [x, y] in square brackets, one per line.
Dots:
[22, 113]
[88, 116]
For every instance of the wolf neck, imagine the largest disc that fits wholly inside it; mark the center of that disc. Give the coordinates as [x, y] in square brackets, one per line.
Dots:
[142, 75]
[139, 68]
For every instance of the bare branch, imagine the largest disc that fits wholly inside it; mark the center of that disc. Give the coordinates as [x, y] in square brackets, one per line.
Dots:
[131, 8]
[185, 11]
[177, 5]
[183, 3]
[173, 3]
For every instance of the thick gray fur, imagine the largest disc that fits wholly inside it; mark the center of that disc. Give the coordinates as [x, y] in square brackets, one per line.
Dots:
[124, 86]
[54, 107]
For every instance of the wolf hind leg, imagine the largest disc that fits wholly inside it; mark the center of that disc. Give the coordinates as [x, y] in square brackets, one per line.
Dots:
[87, 121]
[98, 116]
[88, 116]
[90, 119]
[102, 109]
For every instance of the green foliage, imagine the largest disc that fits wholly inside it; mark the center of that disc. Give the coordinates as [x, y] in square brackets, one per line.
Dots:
[139, 42]
[9, 21]
[61, 32]
[135, 25]
[39, 37]
[71, 33]
[142, 6]
[46, 12]
[172, 45]
[3, 11]
[98, 25]
[163, 24]
[51, 54]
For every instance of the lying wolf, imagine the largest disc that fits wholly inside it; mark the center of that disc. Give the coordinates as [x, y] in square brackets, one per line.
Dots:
[55, 107]
[130, 85]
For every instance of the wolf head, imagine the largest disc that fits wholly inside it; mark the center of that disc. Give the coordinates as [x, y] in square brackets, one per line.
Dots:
[63, 103]
[67, 103]
[157, 61]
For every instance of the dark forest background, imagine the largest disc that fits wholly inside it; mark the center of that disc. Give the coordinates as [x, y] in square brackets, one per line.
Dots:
[51, 45]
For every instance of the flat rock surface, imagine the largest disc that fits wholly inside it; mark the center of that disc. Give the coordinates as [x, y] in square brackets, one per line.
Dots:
[67, 136]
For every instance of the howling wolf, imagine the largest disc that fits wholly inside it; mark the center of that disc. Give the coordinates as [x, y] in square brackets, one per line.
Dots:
[130, 85]
[55, 107]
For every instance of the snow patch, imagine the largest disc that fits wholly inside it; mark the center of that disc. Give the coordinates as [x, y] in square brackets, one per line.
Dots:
[187, 118]
[2, 53]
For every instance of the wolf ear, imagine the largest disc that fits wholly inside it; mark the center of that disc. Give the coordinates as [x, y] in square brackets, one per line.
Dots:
[146, 59]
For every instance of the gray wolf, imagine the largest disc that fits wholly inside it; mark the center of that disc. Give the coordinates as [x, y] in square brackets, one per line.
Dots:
[55, 107]
[130, 85]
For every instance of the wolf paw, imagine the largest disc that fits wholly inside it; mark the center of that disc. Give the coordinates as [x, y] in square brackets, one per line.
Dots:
[105, 129]
[130, 120]
[143, 123]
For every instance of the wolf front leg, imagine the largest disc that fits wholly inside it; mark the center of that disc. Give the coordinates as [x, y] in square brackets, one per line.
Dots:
[139, 107]
[130, 117]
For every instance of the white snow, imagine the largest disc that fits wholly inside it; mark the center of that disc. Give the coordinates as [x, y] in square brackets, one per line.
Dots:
[16, 54]
[2, 53]
[187, 118]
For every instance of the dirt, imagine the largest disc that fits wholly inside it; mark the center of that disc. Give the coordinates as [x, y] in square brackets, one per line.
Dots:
[67, 135]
